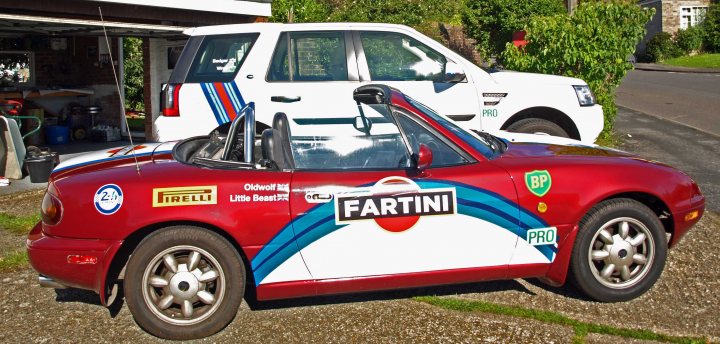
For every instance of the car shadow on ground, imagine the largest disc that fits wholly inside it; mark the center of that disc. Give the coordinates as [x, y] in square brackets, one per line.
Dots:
[71, 295]
[89, 297]
[567, 290]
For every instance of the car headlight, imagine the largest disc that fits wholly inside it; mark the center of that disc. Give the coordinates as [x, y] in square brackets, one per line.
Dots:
[584, 95]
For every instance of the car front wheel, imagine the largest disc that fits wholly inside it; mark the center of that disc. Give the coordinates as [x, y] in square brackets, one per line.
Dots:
[619, 251]
[184, 283]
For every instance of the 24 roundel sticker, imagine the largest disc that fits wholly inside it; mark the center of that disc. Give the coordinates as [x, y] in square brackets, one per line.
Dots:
[108, 199]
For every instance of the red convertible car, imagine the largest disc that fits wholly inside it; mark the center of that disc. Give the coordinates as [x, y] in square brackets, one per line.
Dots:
[393, 196]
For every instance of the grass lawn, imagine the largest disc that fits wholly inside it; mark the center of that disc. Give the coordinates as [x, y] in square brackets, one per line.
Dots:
[697, 61]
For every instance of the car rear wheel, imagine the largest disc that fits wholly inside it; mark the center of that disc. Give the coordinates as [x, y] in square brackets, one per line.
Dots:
[537, 126]
[619, 252]
[184, 283]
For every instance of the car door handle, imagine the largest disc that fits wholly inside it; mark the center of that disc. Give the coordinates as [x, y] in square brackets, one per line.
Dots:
[284, 99]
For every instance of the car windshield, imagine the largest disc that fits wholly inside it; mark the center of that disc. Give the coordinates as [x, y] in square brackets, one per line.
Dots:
[482, 145]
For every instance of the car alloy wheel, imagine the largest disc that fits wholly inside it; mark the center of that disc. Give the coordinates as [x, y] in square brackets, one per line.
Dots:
[183, 285]
[621, 253]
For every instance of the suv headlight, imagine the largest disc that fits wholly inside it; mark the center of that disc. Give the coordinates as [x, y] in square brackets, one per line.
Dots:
[584, 95]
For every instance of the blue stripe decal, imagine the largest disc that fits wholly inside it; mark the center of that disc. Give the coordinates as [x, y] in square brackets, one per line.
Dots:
[236, 92]
[233, 97]
[211, 102]
[319, 221]
[218, 103]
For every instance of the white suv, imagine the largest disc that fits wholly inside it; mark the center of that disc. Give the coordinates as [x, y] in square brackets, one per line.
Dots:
[310, 70]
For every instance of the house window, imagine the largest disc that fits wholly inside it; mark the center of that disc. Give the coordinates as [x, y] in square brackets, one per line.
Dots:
[691, 15]
[15, 68]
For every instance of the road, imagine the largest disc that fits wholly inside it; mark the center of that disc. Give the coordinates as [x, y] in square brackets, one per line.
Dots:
[689, 98]
[695, 152]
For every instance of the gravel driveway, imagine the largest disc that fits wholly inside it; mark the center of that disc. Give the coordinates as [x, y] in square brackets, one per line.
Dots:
[684, 302]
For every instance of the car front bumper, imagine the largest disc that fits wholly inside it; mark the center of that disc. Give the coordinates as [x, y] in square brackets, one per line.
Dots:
[590, 122]
[51, 257]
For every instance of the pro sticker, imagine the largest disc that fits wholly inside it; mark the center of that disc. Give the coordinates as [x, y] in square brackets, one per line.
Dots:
[108, 199]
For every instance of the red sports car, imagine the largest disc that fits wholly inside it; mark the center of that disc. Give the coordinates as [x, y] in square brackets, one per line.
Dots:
[393, 196]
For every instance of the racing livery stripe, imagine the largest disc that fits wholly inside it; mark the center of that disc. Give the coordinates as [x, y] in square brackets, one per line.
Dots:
[235, 96]
[319, 221]
[225, 101]
[213, 106]
[139, 155]
[221, 109]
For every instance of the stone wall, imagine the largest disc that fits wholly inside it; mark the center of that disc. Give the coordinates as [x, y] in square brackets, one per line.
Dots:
[666, 18]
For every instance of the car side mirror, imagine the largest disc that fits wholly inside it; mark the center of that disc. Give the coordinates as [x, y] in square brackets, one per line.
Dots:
[453, 72]
[424, 158]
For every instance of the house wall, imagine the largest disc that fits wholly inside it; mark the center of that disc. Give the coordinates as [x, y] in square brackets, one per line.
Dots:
[666, 18]
[671, 11]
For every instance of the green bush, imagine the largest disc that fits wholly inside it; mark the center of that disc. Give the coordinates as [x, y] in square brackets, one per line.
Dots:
[592, 44]
[302, 11]
[492, 22]
[689, 40]
[711, 29]
[662, 47]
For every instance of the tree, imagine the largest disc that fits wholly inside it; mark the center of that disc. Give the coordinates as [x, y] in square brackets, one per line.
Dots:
[492, 22]
[133, 63]
[592, 44]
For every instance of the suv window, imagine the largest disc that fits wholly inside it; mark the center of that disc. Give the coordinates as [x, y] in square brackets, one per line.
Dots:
[314, 56]
[395, 57]
[371, 141]
[220, 57]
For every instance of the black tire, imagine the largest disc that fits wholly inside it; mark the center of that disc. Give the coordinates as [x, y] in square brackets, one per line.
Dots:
[586, 268]
[537, 125]
[144, 299]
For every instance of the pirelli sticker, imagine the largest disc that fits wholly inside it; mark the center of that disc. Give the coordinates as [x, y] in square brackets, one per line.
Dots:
[184, 195]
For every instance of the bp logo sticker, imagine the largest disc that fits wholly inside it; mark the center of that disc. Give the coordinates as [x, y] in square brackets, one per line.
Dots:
[538, 182]
[108, 199]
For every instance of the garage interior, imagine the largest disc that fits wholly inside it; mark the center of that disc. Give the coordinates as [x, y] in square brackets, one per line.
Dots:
[54, 60]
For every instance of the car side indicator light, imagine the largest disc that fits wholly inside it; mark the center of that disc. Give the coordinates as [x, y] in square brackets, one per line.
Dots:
[78, 259]
[692, 215]
[542, 207]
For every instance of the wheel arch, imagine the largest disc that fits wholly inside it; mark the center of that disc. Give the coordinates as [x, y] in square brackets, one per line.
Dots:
[656, 204]
[119, 261]
[549, 114]
[558, 271]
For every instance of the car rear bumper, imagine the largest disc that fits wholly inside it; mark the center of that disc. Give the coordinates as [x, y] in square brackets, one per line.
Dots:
[50, 256]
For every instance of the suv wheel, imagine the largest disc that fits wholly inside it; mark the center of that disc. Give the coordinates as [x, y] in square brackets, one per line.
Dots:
[537, 126]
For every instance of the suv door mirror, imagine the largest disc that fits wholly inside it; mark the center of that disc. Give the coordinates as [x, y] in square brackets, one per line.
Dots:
[453, 72]
[424, 158]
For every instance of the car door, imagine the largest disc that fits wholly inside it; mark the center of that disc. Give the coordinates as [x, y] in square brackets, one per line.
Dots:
[400, 61]
[360, 209]
[310, 68]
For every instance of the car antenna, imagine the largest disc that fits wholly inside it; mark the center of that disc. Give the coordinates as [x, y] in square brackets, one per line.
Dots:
[117, 84]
